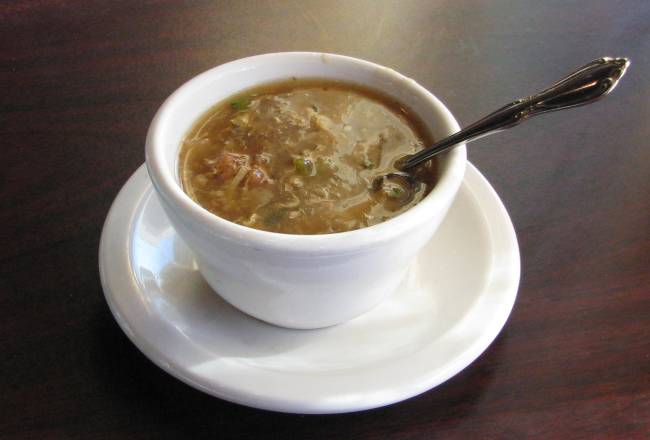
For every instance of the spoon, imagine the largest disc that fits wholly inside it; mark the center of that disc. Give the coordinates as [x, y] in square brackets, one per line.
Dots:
[584, 86]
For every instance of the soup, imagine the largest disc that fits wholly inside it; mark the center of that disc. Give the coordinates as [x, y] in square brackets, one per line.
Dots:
[301, 157]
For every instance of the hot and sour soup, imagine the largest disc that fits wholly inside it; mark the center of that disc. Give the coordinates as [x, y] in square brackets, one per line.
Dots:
[301, 157]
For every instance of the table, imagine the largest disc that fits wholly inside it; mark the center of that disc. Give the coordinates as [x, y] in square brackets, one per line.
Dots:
[80, 84]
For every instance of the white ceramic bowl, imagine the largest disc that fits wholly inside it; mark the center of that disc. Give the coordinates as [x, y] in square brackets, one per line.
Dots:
[298, 281]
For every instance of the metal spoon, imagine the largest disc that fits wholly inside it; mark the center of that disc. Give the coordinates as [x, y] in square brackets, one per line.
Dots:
[584, 86]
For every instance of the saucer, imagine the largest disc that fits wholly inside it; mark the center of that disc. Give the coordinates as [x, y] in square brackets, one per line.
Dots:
[455, 299]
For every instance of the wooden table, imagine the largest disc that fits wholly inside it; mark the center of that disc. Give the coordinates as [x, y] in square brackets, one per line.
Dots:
[80, 84]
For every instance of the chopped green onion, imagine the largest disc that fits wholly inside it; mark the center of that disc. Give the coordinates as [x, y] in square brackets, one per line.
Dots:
[241, 103]
[395, 192]
[367, 163]
[304, 166]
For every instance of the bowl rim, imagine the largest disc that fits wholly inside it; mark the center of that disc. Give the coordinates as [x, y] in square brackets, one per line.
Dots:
[356, 240]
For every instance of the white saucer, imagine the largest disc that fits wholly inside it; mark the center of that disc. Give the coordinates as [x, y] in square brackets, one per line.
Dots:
[455, 300]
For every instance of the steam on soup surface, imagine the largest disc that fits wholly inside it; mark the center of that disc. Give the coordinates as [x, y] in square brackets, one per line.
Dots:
[300, 157]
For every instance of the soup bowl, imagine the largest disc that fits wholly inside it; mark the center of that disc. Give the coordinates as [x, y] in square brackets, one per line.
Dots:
[299, 281]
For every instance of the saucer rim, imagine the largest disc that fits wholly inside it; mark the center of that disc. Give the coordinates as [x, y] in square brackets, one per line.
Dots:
[275, 403]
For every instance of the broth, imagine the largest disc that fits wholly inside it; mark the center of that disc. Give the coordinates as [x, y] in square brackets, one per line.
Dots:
[300, 157]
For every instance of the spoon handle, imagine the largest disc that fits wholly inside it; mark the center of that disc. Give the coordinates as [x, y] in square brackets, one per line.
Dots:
[586, 85]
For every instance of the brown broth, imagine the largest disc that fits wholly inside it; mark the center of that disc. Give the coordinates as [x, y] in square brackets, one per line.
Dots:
[300, 156]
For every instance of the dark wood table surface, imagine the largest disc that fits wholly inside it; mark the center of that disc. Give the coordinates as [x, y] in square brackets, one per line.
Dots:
[80, 83]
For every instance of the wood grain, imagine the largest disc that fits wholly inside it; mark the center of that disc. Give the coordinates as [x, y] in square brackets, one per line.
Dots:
[80, 84]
